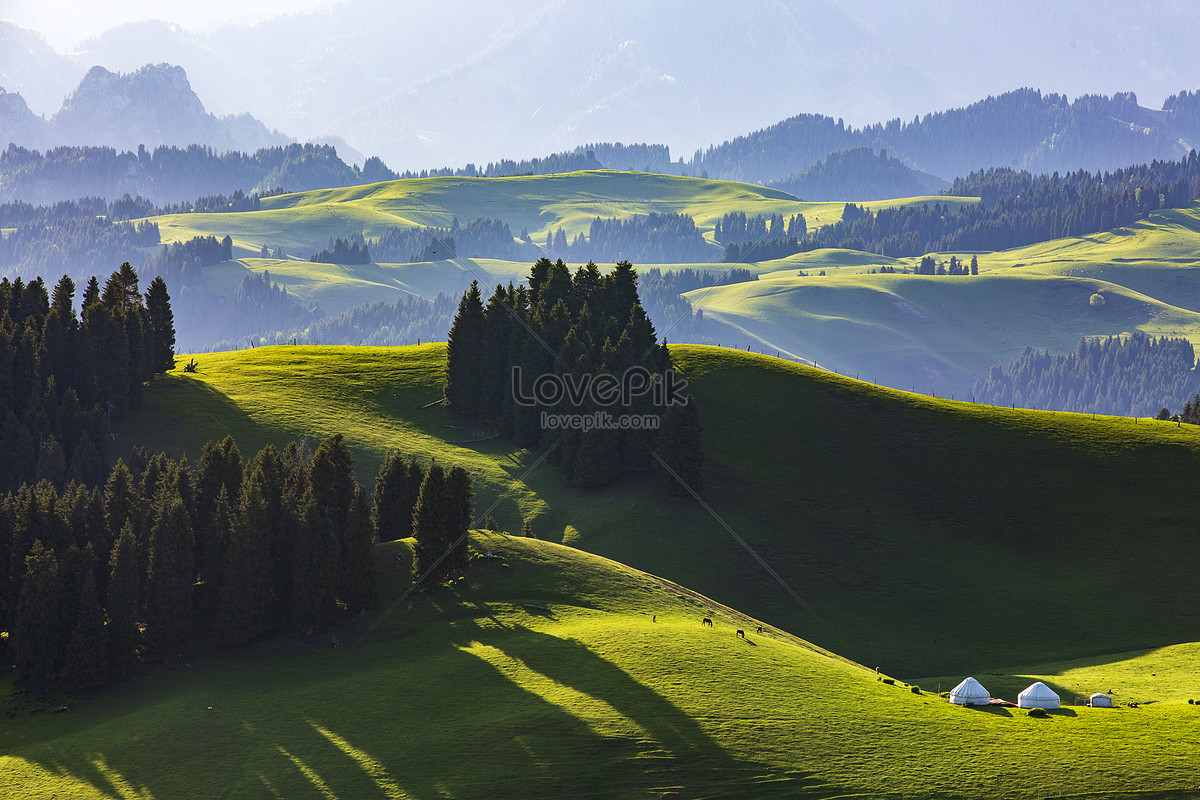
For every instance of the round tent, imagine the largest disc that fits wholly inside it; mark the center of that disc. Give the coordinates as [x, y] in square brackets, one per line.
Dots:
[1100, 700]
[1037, 695]
[970, 693]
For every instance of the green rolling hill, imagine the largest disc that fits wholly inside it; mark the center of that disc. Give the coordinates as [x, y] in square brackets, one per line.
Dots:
[615, 690]
[923, 537]
[931, 334]
[899, 519]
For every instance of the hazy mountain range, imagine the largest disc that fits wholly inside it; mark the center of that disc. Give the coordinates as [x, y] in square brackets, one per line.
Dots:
[429, 84]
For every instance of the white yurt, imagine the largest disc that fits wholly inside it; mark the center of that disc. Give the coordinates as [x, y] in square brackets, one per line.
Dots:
[970, 692]
[1100, 700]
[1037, 695]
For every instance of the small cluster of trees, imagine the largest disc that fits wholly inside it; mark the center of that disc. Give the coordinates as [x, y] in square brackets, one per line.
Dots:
[62, 375]
[568, 329]
[485, 238]
[1133, 376]
[932, 266]
[350, 250]
[735, 226]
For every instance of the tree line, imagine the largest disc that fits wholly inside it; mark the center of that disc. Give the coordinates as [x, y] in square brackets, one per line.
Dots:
[164, 558]
[170, 174]
[563, 329]
[483, 238]
[1017, 209]
[79, 245]
[63, 376]
[342, 251]
[1122, 375]
[409, 320]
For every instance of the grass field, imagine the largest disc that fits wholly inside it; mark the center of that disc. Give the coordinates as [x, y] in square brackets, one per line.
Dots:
[939, 334]
[935, 334]
[473, 694]
[304, 221]
[899, 519]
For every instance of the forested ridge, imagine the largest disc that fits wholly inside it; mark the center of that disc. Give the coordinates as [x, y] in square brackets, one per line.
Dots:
[1125, 375]
[1017, 209]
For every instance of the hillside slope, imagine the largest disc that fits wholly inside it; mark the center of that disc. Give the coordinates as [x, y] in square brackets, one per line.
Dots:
[901, 520]
[615, 690]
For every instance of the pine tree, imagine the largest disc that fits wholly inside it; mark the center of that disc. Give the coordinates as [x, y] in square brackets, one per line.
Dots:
[121, 610]
[169, 581]
[162, 326]
[38, 637]
[395, 495]
[87, 663]
[309, 591]
[358, 590]
[243, 600]
[464, 355]
[459, 517]
[429, 522]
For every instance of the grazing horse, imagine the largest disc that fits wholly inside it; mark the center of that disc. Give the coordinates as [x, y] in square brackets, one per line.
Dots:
[760, 628]
[741, 634]
[706, 621]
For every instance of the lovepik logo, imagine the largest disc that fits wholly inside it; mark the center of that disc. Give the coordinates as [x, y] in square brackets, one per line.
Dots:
[602, 389]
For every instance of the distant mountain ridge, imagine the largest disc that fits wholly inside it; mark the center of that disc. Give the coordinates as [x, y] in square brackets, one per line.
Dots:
[1022, 129]
[152, 106]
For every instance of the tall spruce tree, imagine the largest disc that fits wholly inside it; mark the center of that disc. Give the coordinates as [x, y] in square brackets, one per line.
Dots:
[430, 528]
[162, 326]
[395, 495]
[459, 516]
[309, 590]
[464, 356]
[121, 608]
[169, 581]
[244, 597]
[39, 640]
[87, 665]
[357, 591]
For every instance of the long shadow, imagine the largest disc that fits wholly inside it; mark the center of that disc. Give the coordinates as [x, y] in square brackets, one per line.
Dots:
[694, 760]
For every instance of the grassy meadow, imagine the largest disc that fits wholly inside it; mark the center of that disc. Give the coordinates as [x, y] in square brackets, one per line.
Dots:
[473, 693]
[898, 518]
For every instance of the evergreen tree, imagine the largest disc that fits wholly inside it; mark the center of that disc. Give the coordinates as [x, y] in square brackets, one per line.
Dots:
[219, 469]
[243, 600]
[430, 524]
[309, 588]
[87, 663]
[169, 581]
[459, 517]
[395, 495]
[464, 355]
[162, 326]
[121, 610]
[358, 590]
[38, 637]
